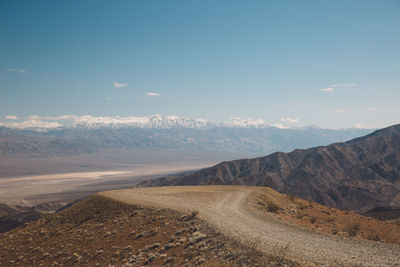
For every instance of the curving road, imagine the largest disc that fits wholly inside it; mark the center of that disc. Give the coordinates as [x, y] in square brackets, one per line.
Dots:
[229, 209]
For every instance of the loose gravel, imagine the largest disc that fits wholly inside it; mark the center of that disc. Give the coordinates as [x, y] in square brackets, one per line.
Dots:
[228, 209]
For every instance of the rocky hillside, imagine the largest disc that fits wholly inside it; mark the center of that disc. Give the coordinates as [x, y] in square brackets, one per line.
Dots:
[359, 175]
[332, 221]
[102, 232]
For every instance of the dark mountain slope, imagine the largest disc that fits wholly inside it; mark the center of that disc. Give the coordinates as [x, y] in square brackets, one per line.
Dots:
[357, 175]
[11, 217]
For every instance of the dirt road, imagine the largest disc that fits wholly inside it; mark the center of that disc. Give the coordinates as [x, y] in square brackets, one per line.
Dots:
[228, 208]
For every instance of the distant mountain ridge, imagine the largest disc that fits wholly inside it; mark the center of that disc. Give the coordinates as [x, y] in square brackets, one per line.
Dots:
[359, 175]
[79, 140]
[47, 123]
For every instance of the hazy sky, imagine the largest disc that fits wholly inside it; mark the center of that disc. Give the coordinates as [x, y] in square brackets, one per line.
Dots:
[329, 63]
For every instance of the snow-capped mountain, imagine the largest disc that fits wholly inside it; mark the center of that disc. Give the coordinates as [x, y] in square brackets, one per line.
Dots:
[38, 123]
[46, 123]
[155, 121]
[71, 134]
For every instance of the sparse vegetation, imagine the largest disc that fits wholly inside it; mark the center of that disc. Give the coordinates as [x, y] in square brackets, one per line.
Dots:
[330, 220]
[268, 205]
[291, 197]
[352, 229]
[98, 231]
[300, 215]
[194, 214]
[272, 207]
[374, 237]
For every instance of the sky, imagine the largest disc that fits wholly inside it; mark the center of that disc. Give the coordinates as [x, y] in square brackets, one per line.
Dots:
[328, 63]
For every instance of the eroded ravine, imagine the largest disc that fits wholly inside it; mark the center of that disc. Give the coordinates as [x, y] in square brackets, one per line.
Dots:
[227, 208]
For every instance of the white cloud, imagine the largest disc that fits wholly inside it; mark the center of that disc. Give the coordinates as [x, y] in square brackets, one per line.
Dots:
[29, 124]
[117, 84]
[344, 85]
[54, 118]
[34, 117]
[66, 117]
[19, 70]
[239, 122]
[108, 98]
[290, 120]
[363, 126]
[371, 109]
[331, 89]
[280, 126]
[11, 117]
[152, 94]
[328, 90]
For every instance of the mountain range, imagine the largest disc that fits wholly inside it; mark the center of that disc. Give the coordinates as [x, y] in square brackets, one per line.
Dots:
[44, 123]
[74, 135]
[358, 175]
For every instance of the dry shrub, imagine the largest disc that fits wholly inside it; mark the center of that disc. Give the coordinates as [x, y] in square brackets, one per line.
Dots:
[272, 207]
[375, 237]
[352, 229]
[194, 214]
[300, 215]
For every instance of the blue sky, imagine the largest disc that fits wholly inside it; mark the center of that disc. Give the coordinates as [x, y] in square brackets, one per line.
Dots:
[329, 63]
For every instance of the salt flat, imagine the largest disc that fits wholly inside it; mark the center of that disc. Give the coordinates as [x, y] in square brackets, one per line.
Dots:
[37, 189]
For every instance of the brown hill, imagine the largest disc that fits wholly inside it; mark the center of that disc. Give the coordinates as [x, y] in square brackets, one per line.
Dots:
[99, 231]
[358, 175]
[325, 219]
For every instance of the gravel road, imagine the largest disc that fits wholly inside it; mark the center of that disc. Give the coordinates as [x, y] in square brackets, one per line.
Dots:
[228, 208]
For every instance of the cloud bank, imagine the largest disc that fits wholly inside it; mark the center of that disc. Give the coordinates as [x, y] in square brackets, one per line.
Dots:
[32, 124]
